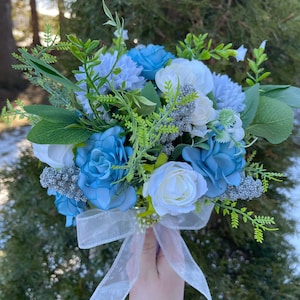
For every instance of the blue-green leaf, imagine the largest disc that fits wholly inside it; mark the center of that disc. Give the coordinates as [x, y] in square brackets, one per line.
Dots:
[273, 120]
[52, 113]
[45, 132]
[251, 101]
[287, 94]
[150, 93]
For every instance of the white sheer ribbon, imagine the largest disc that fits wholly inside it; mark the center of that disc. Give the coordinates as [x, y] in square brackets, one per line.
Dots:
[95, 227]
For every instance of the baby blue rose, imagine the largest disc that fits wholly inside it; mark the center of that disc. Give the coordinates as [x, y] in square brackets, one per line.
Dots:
[151, 58]
[220, 165]
[97, 178]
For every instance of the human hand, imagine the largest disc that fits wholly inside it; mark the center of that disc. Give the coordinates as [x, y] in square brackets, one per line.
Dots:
[157, 280]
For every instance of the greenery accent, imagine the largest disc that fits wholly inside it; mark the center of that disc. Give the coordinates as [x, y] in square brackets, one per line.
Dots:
[145, 134]
[255, 66]
[196, 47]
[257, 170]
[259, 223]
[266, 115]
[36, 66]
[10, 113]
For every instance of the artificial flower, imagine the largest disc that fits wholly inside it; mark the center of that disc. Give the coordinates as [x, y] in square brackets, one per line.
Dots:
[229, 127]
[127, 74]
[98, 179]
[240, 53]
[68, 207]
[227, 93]
[151, 58]
[263, 44]
[56, 156]
[124, 33]
[202, 115]
[183, 72]
[174, 188]
[220, 164]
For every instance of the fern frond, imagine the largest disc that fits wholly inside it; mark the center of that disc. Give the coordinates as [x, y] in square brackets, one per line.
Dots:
[234, 220]
[257, 171]
[258, 234]
[259, 223]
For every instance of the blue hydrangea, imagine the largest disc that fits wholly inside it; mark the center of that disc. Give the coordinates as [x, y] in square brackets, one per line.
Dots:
[68, 207]
[228, 94]
[220, 164]
[124, 73]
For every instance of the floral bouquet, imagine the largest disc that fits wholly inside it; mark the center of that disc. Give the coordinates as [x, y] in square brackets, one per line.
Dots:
[146, 138]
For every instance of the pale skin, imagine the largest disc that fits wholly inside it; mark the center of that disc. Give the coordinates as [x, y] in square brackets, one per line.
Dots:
[157, 280]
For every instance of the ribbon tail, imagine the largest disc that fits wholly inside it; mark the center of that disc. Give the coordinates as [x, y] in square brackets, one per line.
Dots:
[180, 259]
[124, 272]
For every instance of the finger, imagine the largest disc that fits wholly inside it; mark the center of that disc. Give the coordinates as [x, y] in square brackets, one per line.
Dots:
[148, 257]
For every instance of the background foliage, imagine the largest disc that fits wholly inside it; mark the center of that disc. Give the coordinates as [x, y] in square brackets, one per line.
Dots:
[236, 21]
[39, 257]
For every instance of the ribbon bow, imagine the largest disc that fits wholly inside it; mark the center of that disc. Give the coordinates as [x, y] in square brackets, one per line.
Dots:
[96, 227]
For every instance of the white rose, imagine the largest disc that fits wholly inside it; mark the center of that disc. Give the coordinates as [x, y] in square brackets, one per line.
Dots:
[56, 156]
[174, 188]
[203, 113]
[186, 72]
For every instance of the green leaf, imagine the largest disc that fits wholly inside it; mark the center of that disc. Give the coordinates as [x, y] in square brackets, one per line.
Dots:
[47, 70]
[45, 132]
[161, 159]
[251, 101]
[287, 94]
[177, 151]
[150, 93]
[52, 113]
[273, 120]
[142, 105]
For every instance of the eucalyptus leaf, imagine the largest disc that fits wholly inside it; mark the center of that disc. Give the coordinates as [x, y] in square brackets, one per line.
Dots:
[287, 94]
[142, 105]
[251, 101]
[52, 113]
[45, 132]
[271, 87]
[150, 93]
[177, 151]
[273, 120]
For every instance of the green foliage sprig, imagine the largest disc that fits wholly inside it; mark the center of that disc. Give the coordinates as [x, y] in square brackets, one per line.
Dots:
[197, 47]
[145, 133]
[259, 223]
[36, 66]
[258, 73]
[258, 171]
[10, 113]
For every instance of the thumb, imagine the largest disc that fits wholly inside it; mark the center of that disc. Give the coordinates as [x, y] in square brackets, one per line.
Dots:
[148, 257]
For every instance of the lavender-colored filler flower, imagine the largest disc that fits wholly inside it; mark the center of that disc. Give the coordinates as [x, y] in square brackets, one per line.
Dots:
[227, 93]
